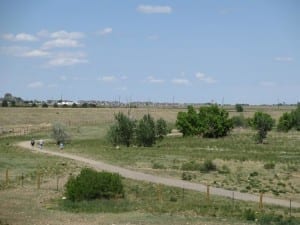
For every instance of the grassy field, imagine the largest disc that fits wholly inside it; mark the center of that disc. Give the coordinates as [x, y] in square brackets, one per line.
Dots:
[241, 165]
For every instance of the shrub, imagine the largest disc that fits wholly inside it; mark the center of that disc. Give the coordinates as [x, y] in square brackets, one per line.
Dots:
[269, 165]
[239, 108]
[59, 133]
[208, 166]
[191, 166]
[210, 122]
[4, 103]
[122, 131]
[145, 131]
[239, 121]
[90, 184]
[262, 122]
[285, 122]
[161, 128]
[186, 176]
[249, 214]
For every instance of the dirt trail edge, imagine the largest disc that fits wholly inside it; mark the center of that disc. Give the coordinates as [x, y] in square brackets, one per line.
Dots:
[161, 180]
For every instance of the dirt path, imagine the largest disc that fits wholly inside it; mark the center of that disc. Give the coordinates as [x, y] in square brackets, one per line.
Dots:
[161, 180]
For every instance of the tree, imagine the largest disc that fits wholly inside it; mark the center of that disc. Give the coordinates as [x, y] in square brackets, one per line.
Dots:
[122, 131]
[262, 122]
[285, 122]
[145, 131]
[45, 105]
[187, 122]
[290, 120]
[214, 122]
[210, 121]
[239, 108]
[59, 133]
[161, 128]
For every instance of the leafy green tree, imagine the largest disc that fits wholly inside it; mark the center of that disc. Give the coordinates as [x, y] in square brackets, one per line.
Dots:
[239, 108]
[296, 118]
[285, 122]
[122, 132]
[187, 122]
[262, 122]
[210, 121]
[161, 128]
[290, 120]
[45, 105]
[145, 131]
[59, 133]
[214, 122]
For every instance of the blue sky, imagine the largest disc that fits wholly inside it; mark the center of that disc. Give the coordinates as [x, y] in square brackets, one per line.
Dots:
[236, 51]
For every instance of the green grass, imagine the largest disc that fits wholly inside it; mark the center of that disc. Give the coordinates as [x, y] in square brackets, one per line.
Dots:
[162, 200]
[20, 162]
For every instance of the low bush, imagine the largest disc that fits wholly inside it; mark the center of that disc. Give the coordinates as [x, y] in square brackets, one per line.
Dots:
[269, 165]
[208, 166]
[191, 166]
[90, 184]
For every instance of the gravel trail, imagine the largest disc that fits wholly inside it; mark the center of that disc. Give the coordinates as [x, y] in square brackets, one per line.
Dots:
[99, 165]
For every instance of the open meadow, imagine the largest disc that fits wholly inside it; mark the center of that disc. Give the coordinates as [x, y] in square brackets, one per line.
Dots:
[241, 165]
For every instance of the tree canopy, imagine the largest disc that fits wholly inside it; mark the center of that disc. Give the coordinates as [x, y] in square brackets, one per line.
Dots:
[210, 121]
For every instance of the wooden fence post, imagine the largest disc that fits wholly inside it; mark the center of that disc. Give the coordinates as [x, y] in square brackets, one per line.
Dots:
[38, 180]
[207, 194]
[6, 178]
[261, 201]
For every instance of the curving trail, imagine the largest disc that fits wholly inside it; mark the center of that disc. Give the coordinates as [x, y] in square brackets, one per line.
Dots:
[99, 165]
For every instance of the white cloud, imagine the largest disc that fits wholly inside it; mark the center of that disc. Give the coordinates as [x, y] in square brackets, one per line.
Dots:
[105, 31]
[267, 84]
[61, 43]
[67, 59]
[62, 34]
[36, 84]
[152, 9]
[35, 53]
[43, 33]
[154, 80]
[181, 81]
[23, 51]
[203, 77]
[19, 37]
[284, 59]
[107, 78]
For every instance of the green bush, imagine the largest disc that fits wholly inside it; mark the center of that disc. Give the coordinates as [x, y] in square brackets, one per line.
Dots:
[191, 166]
[249, 214]
[59, 133]
[239, 108]
[122, 131]
[90, 184]
[210, 122]
[262, 122]
[161, 128]
[145, 131]
[208, 166]
[269, 165]
[239, 121]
